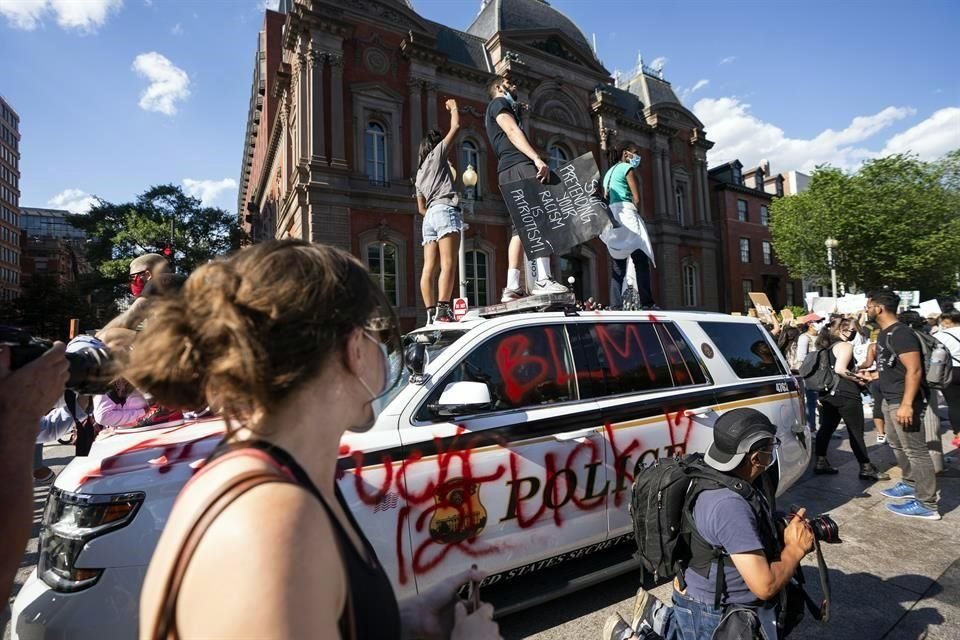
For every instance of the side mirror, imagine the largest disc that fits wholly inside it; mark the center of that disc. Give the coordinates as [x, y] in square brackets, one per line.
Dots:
[460, 398]
[416, 358]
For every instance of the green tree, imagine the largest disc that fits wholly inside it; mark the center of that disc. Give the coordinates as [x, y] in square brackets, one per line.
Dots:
[161, 217]
[45, 308]
[897, 220]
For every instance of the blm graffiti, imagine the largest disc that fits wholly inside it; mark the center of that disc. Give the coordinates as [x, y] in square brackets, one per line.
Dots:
[566, 211]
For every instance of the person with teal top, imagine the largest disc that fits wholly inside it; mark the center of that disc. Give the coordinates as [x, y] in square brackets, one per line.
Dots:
[630, 238]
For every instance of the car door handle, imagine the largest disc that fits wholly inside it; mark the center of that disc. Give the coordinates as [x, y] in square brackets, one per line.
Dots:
[579, 435]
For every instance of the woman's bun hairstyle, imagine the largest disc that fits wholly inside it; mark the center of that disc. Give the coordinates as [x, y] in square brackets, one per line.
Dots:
[247, 330]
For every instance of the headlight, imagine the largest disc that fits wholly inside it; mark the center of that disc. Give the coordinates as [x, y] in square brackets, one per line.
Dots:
[70, 521]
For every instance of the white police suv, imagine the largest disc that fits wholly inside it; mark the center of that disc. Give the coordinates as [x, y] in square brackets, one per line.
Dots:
[511, 443]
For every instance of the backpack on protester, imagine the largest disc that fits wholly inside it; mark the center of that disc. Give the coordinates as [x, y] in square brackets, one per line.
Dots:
[817, 373]
[661, 510]
[937, 361]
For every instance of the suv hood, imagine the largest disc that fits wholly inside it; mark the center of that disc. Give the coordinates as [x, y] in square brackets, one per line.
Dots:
[157, 447]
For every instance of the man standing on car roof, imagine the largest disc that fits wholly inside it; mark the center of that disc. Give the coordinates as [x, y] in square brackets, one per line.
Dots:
[516, 160]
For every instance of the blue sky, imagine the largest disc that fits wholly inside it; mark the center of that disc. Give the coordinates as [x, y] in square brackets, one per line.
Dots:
[799, 84]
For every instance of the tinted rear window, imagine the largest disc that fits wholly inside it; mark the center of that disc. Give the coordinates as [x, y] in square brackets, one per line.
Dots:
[745, 348]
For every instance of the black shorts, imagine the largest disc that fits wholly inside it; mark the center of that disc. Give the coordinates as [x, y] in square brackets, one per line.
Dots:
[520, 171]
[874, 388]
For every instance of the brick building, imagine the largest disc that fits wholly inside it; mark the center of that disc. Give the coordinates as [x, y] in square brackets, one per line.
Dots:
[741, 203]
[51, 246]
[343, 92]
[9, 201]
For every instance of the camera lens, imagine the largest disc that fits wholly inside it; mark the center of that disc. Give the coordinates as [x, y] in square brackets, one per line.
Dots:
[825, 529]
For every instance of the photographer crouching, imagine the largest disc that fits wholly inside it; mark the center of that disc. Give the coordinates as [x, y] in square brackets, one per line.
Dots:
[733, 557]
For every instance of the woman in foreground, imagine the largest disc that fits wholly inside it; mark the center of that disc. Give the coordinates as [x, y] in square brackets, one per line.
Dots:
[289, 341]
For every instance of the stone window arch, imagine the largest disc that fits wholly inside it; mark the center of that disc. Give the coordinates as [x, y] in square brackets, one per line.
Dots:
[557, 154]
[471, 155]
[376, 152]
[384, 251]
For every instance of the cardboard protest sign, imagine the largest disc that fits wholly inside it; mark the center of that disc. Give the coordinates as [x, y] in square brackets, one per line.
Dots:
[823, 306]
[930, 308]
[787, 314]
[851, 304]
[908, 299]
[561, 214]
[763, 305]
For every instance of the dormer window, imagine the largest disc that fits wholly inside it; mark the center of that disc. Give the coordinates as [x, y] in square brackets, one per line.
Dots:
[737, 176]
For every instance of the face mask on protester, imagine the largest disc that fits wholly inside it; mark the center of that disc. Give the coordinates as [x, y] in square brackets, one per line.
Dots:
[137, 284]
[509, 95]
[377, 402]
[634, 161]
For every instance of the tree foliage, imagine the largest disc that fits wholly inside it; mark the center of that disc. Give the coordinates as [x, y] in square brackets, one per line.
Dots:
[45, 307]
[897, 221]
[120, 232]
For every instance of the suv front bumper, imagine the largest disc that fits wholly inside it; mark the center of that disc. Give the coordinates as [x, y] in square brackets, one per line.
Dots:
[108, 609]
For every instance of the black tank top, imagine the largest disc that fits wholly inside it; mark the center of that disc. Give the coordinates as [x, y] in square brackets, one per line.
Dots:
[372, 603]
[845, 388]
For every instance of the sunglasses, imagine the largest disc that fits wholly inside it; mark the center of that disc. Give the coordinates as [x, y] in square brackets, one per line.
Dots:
[138, 274]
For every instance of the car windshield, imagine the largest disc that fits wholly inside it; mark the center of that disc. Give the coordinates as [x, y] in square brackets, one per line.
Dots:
[436, 342]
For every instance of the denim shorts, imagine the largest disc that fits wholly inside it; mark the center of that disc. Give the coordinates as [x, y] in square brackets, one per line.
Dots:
[441, 220]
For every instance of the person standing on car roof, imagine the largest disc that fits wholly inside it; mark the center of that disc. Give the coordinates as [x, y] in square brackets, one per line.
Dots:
[439, 205]
[294, 344]
[629, 240]
[757, 564]
[516, 160]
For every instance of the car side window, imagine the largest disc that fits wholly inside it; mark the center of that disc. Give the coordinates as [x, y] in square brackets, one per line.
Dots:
[685, 366]
[745, 348]
[621, 357]
[522, 368]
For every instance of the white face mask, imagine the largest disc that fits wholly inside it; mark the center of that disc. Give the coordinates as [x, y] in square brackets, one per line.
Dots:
[377, 402]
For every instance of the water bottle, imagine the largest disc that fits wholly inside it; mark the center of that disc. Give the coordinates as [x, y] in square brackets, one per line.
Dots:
[940, 368]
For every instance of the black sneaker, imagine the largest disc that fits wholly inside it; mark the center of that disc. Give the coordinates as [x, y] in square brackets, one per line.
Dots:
[649, 614]
[444, 314]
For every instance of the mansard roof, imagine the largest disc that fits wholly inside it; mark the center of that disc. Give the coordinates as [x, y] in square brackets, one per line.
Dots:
[525, 15]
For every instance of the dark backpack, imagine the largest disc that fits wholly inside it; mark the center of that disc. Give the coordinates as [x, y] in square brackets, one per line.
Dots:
[937, 361]
[659, 506]
[817, 373]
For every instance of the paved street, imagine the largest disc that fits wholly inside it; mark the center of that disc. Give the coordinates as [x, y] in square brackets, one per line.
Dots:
[891, 577]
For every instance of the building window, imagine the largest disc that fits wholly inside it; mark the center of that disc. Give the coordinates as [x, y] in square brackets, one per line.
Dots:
[737, 176]
[376, 153]
[476, 268]
[681, 197]
[744, 250]
[789, 297]
[742, 214]
[764, 215]
[558, 156]
[767, 253]
[470, 155]
[382, 262]
[691, 285]
[747, 290]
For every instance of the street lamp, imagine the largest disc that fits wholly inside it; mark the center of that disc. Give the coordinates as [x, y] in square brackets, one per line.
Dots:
[469, 182]
[831, 244]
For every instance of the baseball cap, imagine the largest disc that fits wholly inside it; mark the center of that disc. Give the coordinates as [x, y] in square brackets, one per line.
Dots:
[733, 435]
[82, 342]
[810, 317]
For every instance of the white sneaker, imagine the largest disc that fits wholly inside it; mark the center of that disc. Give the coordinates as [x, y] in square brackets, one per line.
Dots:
[881, 438]
[510, 295]
[546, 287]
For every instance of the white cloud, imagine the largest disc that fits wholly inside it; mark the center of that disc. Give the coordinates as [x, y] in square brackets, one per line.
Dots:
[656, 63]
[73, 200]
[741, 135]
[83, 15]
[930, 139]
[208, 190]
[700, 84]
[728, 59]
[177, 30]
[273, 5]
[168, 83]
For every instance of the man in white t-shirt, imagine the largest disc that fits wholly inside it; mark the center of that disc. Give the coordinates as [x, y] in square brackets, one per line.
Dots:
[805, 345]
[949, 335]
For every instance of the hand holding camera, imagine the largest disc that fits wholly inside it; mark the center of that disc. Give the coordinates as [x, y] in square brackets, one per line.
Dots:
[30, 390]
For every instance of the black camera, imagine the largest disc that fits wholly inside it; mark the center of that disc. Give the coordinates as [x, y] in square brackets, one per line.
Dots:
[90, 366]
[825, 529]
